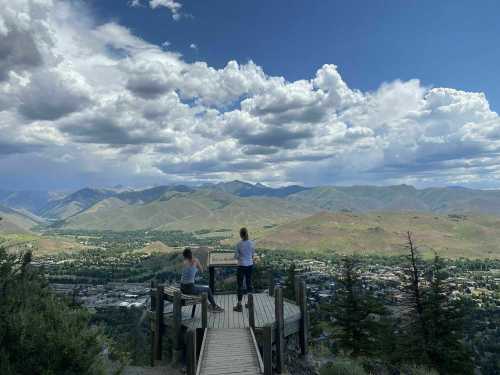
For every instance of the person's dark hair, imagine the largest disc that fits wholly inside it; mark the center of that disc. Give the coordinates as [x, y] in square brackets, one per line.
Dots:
[244, 234]
[187, 253]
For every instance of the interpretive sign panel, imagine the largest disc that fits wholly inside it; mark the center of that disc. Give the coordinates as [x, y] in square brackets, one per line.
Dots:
[221, 259]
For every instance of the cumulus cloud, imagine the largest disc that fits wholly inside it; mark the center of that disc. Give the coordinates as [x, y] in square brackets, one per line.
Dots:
[96, 103]
[50, 95]
[25, 37]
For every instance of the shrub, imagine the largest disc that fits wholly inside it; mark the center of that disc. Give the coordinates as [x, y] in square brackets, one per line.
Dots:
[418, 370]
[343, 366]
[39, 332]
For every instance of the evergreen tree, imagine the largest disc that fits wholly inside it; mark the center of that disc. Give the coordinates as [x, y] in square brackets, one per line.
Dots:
[445, 319]
[39, 333]
[414, 327]
[358, 328]
[432, 324]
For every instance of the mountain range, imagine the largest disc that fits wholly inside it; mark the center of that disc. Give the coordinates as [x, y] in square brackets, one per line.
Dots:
[229, 205]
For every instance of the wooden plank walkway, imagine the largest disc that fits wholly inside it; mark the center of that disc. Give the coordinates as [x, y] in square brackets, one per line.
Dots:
[229, 351]
[264, 313]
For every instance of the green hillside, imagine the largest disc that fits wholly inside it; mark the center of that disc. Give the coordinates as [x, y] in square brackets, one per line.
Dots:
[384, 233]
[189, 211]
[15, 222]
[401, 198]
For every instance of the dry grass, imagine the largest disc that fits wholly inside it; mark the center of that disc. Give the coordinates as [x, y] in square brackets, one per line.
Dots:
[383, 233]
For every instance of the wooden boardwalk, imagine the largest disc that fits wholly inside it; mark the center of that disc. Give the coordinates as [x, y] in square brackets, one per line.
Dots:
[264, 313]
[229, 352]
[229, 345]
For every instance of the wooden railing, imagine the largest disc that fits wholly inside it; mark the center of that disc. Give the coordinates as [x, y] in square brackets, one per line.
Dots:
[267, 337]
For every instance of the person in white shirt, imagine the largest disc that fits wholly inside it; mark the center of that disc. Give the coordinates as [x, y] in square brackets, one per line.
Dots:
[245, 254]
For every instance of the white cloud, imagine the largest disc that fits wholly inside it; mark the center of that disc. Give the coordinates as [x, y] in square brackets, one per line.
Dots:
[96, 103]
[173, 6]
[134, 3]
[193, 46]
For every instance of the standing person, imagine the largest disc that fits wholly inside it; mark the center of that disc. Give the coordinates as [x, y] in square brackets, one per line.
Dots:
[245, 253]
[191, 266]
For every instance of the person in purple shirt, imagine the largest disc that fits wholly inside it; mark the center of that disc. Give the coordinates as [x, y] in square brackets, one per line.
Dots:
[245, 254]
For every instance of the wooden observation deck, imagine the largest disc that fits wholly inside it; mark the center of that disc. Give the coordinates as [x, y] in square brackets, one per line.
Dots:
[231, 342]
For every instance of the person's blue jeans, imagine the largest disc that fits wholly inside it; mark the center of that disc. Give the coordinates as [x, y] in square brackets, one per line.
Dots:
[198, 290]
[244, 272]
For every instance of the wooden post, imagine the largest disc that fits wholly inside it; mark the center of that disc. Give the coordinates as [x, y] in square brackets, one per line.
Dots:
[176, 334]
[192, 349]
[158, 323]
[153, 341]
[251, 311]
[199, 340]
[271, 282]
[267, 349]
[304, 318]
[152, 293]
[280, 327]
[204, 311]
[211, 280]
[296, 283]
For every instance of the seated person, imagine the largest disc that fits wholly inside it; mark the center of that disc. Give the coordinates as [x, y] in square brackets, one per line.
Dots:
[191, 266]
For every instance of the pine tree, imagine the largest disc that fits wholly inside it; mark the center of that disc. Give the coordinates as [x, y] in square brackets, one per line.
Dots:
[432, 322]
[414, 326]
[445, 318]
[356, 312]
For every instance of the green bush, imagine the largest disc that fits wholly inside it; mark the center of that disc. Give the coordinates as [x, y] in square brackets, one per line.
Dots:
[418, 370]
[343, 366]
[39, 332]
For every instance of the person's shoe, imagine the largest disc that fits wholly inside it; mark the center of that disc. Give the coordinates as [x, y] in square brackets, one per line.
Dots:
[238, 308]
[215, 309]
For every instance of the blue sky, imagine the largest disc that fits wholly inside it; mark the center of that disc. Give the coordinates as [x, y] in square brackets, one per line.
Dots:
[442, 43]
[143, 92]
